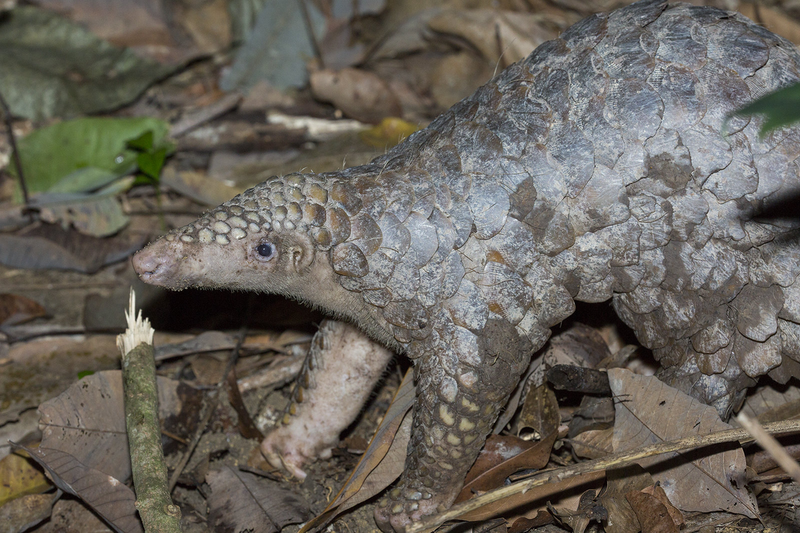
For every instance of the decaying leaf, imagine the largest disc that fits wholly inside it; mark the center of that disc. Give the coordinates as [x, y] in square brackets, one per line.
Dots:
[54, 67]
[772, 402]
[593, 444]
[537, 497]
[390, 132]
[87, 421]
[705, 480]
[359, 94]
[593, 414]
[15, 309]
[50, 246]
[502, 37]
[43, 368]
[107, 495]
[19, 478]
[654, 511]
[198, 186]
[619, 482]
[539, 412]
[97, 215]
[241, 501]
[578, 346]
[589, 510]
[502, 456]
[276, 48]
[23, 513]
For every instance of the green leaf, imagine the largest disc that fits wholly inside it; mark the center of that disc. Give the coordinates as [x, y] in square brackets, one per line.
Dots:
[52, 67]
[151, 163]
[780, 108]
[51, 155]
[143, 142]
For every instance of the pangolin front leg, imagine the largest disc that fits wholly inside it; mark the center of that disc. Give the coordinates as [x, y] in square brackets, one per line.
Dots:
[460, 392]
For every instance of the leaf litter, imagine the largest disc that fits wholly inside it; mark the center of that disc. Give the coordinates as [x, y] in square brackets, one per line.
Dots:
[550, 428]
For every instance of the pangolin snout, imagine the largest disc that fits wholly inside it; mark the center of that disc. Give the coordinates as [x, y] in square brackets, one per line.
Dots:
[151, 266]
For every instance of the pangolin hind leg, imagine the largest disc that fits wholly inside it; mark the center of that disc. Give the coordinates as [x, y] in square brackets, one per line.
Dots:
[341, 370]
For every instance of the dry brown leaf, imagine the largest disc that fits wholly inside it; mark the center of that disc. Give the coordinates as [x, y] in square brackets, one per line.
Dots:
[649, 412]
[107, 495]
[87, 421]
[152, 28]
[198, 186]
[382, 463]
[241, 501]
[15, 309]
[525, 524]
[51, 246]
[620, 481]
[536, 497]
[502, 37]
[674, 512]
[589, 510]
[580, 346]
[651, 513]
[208, 341]
[42, 368]
[539, 412]
[593, 414]
[593, 443]
[770, 404]
[502, 456]
[359, 94]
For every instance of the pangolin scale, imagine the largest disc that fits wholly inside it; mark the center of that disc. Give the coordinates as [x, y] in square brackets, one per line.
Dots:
[593, 170]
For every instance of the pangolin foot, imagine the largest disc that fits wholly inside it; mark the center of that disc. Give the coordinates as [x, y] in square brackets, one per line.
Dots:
[403, 506]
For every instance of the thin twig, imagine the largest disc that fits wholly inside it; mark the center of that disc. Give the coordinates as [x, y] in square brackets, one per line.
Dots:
[15, 154]
[552, 476]
[205, 114]
[770, 445]
[211, 406]
[310, 29]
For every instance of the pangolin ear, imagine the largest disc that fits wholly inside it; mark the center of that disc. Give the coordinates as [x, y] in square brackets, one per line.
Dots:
[302, 254]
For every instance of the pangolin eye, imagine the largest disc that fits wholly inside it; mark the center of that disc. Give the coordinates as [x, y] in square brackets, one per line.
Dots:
[265, 251]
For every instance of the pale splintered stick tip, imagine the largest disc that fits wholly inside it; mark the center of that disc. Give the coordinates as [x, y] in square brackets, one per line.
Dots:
[139, 330]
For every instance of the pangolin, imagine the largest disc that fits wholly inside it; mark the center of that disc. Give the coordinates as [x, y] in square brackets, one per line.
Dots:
[595, 169]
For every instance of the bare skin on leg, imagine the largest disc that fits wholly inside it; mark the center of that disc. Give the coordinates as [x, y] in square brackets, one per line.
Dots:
[341, 371]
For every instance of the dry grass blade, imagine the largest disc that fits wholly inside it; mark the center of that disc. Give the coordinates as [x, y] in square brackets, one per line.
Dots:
[770, 445]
